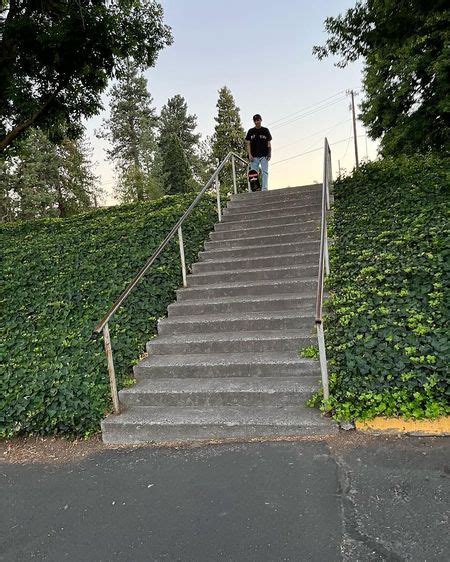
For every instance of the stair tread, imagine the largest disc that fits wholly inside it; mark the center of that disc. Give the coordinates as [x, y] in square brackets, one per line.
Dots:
[225, 384]
[247, 284]
[307, 266]
[255, 248]
[248, 210]
[249, 259]
[313, 223]
[250, 298]
[223, 415]
[262, 335]
[270, 314]
[259, 358]
[258, 242]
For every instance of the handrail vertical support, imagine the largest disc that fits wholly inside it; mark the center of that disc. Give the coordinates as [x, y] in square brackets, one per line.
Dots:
[219, 208]
[183, 260]
[325, 255]
[112, 374]
[248, 180]
[323, 360]
[233, 168]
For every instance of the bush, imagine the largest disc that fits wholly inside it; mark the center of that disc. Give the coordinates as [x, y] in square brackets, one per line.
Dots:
[60, 277]
[387, 316]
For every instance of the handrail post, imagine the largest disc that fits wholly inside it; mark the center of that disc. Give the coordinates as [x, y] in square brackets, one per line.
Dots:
[219, 208]
[329, 178]
[325, 253]
[183, 260]
[248, 179]
[111, 372]
[323, 360]
[233, 168]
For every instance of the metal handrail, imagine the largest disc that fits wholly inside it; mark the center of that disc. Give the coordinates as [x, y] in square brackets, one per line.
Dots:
[324, 266]
[103, 323]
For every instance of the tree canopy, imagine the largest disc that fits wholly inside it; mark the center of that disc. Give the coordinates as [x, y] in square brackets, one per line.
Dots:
[178, 146]
[56, 57]
[405, 45]
[228, 131]
[43, 179]
[131, 132]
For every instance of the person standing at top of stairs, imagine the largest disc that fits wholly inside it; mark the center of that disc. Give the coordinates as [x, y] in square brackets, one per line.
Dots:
[259, 149]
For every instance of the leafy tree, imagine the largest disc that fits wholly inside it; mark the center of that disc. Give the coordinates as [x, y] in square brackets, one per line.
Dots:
[131, 130]
[175, 122]
[56, 57]
[228, 132]
[46, 180]
[405, 47]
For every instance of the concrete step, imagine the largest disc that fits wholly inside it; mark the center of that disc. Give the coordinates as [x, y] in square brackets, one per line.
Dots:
[310, 204]
[246, 322]
[234, 222]
[259, 251]
[283, 193]
[290, 301]
[153, 423]
[237, 213]
[307, 271]
[288, 218]
[306, 237]
[300, 228]
[282, 260]
[232, 342]
[263, 364]
[232, 391]
[241, 288]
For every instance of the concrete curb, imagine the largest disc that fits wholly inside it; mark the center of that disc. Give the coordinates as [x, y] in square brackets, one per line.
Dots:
[440, 426]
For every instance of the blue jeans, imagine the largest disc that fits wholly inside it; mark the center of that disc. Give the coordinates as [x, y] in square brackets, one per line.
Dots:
[264, 163]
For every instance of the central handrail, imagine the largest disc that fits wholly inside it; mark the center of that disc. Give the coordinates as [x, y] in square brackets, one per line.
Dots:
[103, 323]
[324, 265]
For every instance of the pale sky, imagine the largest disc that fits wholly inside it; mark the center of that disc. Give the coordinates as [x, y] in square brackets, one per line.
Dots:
[262, 52]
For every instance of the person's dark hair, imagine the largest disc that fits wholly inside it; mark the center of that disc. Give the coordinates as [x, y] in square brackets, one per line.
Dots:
[257, 117]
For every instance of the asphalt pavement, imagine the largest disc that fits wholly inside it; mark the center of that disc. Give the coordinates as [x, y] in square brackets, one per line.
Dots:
[343, 498]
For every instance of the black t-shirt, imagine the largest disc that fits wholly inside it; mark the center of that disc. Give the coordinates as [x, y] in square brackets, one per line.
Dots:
[259, 140]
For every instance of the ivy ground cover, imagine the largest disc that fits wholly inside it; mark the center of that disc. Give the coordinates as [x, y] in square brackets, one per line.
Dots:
[387, 324]
[59, 277]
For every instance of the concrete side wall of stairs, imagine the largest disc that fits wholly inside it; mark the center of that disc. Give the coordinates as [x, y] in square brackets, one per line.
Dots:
[225, 363]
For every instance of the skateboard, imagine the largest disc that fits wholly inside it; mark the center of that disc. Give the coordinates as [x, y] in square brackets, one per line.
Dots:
[253, 178]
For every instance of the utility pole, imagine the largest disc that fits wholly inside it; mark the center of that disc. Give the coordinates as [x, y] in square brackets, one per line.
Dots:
[355, 139]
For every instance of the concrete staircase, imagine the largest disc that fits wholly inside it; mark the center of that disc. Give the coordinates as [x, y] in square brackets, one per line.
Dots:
[226, 362]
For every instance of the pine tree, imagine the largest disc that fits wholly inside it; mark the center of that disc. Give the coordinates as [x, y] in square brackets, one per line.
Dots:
[131, 130]
[228, 133]
[42, 179]
[175, 167]
[174, 119]
[176, 123]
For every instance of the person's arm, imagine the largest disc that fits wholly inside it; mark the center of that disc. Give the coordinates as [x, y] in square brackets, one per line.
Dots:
[269, 153]
[249, 152]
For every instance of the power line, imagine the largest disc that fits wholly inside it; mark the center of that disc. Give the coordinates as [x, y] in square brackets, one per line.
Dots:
[313, 134]
[307, 114]
[309, 151]
[305, 108]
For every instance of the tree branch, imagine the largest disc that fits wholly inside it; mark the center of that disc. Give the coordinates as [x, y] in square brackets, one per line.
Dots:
[24, 125]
